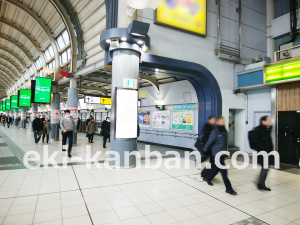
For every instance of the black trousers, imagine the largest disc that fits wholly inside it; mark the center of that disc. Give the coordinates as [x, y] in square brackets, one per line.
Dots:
[68, 135]
[105, 140]
[263, 176]
[47, 135]
[91, 137]
[37, 136]
[215, 170]
[8, 124]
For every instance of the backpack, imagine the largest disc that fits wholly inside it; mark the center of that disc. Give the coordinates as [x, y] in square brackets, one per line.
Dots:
[252, 139]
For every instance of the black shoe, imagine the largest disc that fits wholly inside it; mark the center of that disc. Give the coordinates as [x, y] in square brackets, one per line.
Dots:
[231, 192]
[70, 156]
[104, 146]
[263, 187]
[208, 182]
[92, 142]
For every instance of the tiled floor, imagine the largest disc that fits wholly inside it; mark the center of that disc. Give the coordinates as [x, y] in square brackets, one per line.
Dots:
[82, 196]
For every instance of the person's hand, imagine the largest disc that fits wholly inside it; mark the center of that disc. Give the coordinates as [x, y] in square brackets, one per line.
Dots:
[75, 131]
[65, 131]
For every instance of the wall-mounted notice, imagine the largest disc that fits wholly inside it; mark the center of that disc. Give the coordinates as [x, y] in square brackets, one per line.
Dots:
[183, 119]
[144, 119]
[55, 114]
[74, 113]
[161, 119]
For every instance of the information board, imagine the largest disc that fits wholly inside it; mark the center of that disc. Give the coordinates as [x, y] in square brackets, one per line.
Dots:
[92, 99]
[42, 91]
[4, 106]
[144, 119]
[183, 119]
[14, 102]
[161, 119]
[24, 98]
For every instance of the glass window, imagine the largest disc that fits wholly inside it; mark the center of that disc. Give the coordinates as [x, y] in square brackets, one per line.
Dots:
[60, 43]
[65, 56]
[38, 63]
[65, 36]
[49, 54]
[51, 64]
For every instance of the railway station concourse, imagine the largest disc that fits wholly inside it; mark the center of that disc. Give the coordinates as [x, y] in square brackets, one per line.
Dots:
[149, 112]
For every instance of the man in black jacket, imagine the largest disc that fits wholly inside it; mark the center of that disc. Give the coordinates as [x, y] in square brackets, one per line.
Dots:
[217, 142]
[105, 127]
[37, 126]
[206, 130]
[263, 142]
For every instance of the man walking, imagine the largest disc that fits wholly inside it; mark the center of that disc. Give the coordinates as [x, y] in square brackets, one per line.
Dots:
[262, 142]
[206, 130]
[37, 126]
[106, 130]
[67, 124]
[217, 142]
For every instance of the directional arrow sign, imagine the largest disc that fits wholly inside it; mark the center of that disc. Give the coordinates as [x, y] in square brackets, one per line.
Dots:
[105, 101]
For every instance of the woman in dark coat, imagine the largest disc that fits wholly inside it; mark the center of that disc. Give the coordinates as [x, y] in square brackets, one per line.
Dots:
[263, 143]
[90, 130]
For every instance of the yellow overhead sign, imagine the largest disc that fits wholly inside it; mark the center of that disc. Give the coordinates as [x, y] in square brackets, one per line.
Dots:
[186, 15]
[105, 101]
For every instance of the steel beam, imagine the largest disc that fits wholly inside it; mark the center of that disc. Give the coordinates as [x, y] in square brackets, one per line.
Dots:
[8, 71]
[41, 22]
[17, 67]
[28, 36]
[151, 80]
[95, 79]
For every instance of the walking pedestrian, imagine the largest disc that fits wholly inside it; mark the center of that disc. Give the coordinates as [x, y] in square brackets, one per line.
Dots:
[37, 126]
[46, 130]
[90, 130]
[67, 125]
[217, 142]
[106, 131]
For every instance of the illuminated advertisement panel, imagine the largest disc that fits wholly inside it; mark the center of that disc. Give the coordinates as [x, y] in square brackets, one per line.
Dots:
[283, 71]
[7, 104]
[24, 96]
[185, 15]
[14, 102]
[42, 90]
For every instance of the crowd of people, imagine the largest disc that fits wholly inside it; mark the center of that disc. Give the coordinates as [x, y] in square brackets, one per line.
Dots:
[214, 140]
[42, 128]
[8, 120]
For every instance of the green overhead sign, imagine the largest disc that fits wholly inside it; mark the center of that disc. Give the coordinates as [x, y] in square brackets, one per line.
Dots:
[14, 102]
[4, 106]
[7, 104]
[284, 71]
[24, 99]
[1, 107]
[42, 92]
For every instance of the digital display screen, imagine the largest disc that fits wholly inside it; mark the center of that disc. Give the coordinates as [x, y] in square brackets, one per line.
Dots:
[189, 16]
[14, 102]
[24, 97]
[7, 104]
[4, 106]
[42, 90]
[92, 99]
[1, 106]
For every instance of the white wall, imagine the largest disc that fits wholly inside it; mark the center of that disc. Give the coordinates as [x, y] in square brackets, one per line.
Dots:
[176, 44]
[170, 94]
[259, 104]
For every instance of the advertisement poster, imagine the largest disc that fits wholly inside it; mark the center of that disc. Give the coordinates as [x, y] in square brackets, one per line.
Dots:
[183, 120]
[74, 113]
[55, 114]
[144, 119]
[161, 119]
[42, 90]
[23, 115]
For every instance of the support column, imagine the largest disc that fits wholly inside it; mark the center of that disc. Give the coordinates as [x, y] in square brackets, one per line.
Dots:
[16, 115]
[23, 117]
[72, 104]
[125, 64]
[34, 113]
[270, 41]
[55, 116]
